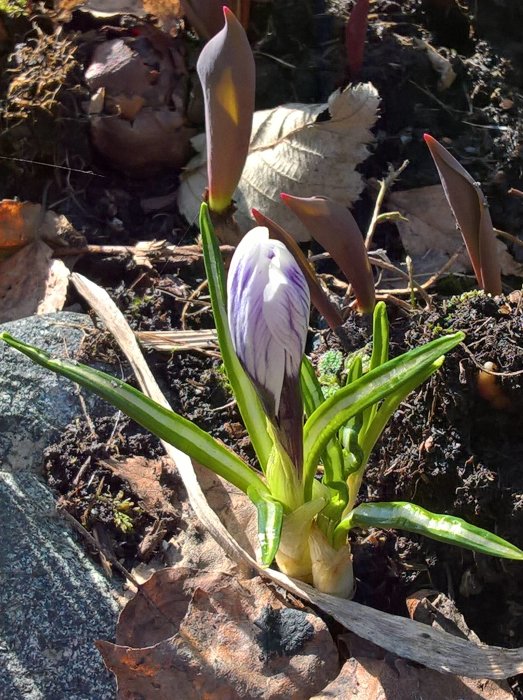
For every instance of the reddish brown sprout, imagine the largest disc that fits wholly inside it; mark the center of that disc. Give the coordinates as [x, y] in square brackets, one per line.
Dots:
[355, 35]
[318, 296]
[333, 227]
[470, 209]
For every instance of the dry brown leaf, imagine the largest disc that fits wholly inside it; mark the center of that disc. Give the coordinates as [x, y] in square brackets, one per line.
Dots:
[396, 679]
[128, 107]
[153, 139]
[31, 282]
[430, 236]
[142, 126]
[215, 636]
[22, 223]
[439, 611]
[118, 69]
[160, 8]
[293, 151]
[144, 477]
[440, 64]
[19, 224]
[160, 203]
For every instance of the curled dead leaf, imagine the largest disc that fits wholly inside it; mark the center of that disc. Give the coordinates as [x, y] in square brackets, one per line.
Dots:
[396, 679]
[31, 282]
[19, 223]
[137, 109]
[144, 477]
[153, 139]
[217, 636]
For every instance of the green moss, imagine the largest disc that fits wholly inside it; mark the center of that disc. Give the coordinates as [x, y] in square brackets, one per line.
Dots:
[330, 363]
[13, 7]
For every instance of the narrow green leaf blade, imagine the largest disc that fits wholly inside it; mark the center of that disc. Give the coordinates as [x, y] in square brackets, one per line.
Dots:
[310, 387]
[166, 424]
[380, 336]
[270, 519]
[248, 403]
[380, 350]
[364, 392]
[311, 391]
[445, 528]
[390, 404]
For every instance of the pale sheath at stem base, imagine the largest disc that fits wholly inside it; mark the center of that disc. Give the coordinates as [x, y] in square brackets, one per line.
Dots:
[306, 554]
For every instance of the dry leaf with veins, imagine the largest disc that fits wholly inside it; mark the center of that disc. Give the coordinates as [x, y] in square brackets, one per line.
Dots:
[304, 150]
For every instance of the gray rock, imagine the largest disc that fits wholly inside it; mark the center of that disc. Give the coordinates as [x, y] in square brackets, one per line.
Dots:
[53, 602]
[35, 404]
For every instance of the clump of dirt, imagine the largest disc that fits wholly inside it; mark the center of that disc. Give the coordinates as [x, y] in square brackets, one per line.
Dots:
[455, 446]
[97, 499]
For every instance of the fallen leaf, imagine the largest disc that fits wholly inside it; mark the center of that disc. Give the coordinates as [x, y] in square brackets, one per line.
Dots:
[430, 235]
[128, 107]
[194, 547]
[160, 203]
[216, 636]
[144, 477]
[154, 139]
[440, 64]
[153, 537]
[439, 611]
[117, 68]
[19, 223]
[32, 282]
[304, 150]
[393, 678]
[142, 126]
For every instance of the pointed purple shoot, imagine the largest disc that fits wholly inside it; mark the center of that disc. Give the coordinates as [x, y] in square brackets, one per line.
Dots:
[470, 209]
[335, 229]
[268, 310]
[226, 71]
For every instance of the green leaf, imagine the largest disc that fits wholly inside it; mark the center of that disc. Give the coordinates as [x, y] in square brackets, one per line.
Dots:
[248, 403]
[390, 404]
[354, 369]
[445, 528]
[270, 519]
[166, 424]
[311, 391]
[374, 386]
[380, 336]
[380, 351]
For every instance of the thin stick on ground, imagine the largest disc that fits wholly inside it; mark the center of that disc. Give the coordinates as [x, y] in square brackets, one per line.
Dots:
[384, 186]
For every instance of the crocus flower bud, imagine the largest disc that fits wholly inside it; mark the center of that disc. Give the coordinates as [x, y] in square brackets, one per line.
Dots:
[226, 71]
[268, 310]
[333, 227]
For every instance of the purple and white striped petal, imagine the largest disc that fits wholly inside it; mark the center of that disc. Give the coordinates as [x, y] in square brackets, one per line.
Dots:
[268, 310]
